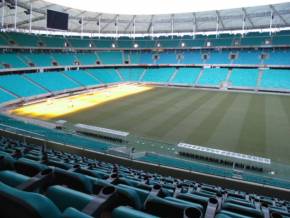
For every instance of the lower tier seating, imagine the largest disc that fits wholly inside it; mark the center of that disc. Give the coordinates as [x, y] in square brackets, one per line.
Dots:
[36, 181]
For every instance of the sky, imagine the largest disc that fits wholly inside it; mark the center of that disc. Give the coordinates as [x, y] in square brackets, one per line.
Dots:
[148, 7]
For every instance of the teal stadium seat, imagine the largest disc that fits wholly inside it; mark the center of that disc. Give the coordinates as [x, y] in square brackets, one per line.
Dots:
[158, 75]
[275, 79]
[6, 96]
[244, 78]
[186, 76]
[11, 60]
[110, 57]
[106, 75]
[20, 86]
[89, 58]
[213, 76]
[82, 77]
[131, 74]
[47, 80]
[65, 59]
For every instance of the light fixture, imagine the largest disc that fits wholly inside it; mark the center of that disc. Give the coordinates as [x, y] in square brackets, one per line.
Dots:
[158, 45]
[136, 45]
[113, 45]
[182, 44]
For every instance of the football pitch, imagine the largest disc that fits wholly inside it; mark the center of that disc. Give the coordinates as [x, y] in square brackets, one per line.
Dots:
[256, 124]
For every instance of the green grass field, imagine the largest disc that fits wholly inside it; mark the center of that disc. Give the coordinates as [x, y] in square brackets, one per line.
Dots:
[240, 122]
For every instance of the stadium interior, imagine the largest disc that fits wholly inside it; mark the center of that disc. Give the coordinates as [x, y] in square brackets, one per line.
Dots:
[164, 115]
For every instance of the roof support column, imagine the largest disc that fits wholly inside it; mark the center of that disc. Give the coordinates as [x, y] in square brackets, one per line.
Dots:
[99, 26]
[3, 13]
[30, 18]
[243, 25]
[217, 26]
[15, 15]
[271, 22]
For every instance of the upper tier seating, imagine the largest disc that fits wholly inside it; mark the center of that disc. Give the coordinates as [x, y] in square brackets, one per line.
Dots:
[87, 58]
[218, 57]
[21, 39]
[244, 78]
[158, 75]
[167, 58]
[53, 81]
[107, 75]
[110, 57]
[39, 60]
[248, 57]
[77, 42]
[47, 183]
[20, 86]
[65, 59]
[275, 79]
[221, 40]
[186, 76]
[3, 39]
[192, 57]
[213, 76]
[278, 58]
[52, 41]
[145, 57]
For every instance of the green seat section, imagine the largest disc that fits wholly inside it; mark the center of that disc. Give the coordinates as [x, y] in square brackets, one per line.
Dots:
[29, 205]
[52, 41]
[74, 213]
[20, 86]
[12, 178]
[110, 57]
[247, 211]
[103, 42]
[64, 197]
[24, 39]
[3, 39]
[142, 194]
[29, 167]
[77, 42]
[228, 214]
[122, 212]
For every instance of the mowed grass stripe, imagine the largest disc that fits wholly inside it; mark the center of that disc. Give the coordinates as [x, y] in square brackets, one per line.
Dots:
[182, 131]
[202, 133]
[277, 139]
[227, 133]
[139, 115]
[174, 117]
[103, 112]
[253, 134]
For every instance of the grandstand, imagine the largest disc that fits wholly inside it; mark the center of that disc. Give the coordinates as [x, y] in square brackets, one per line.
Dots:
[185, 114]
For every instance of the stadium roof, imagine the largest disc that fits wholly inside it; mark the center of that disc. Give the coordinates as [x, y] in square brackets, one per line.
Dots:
[258, 17]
